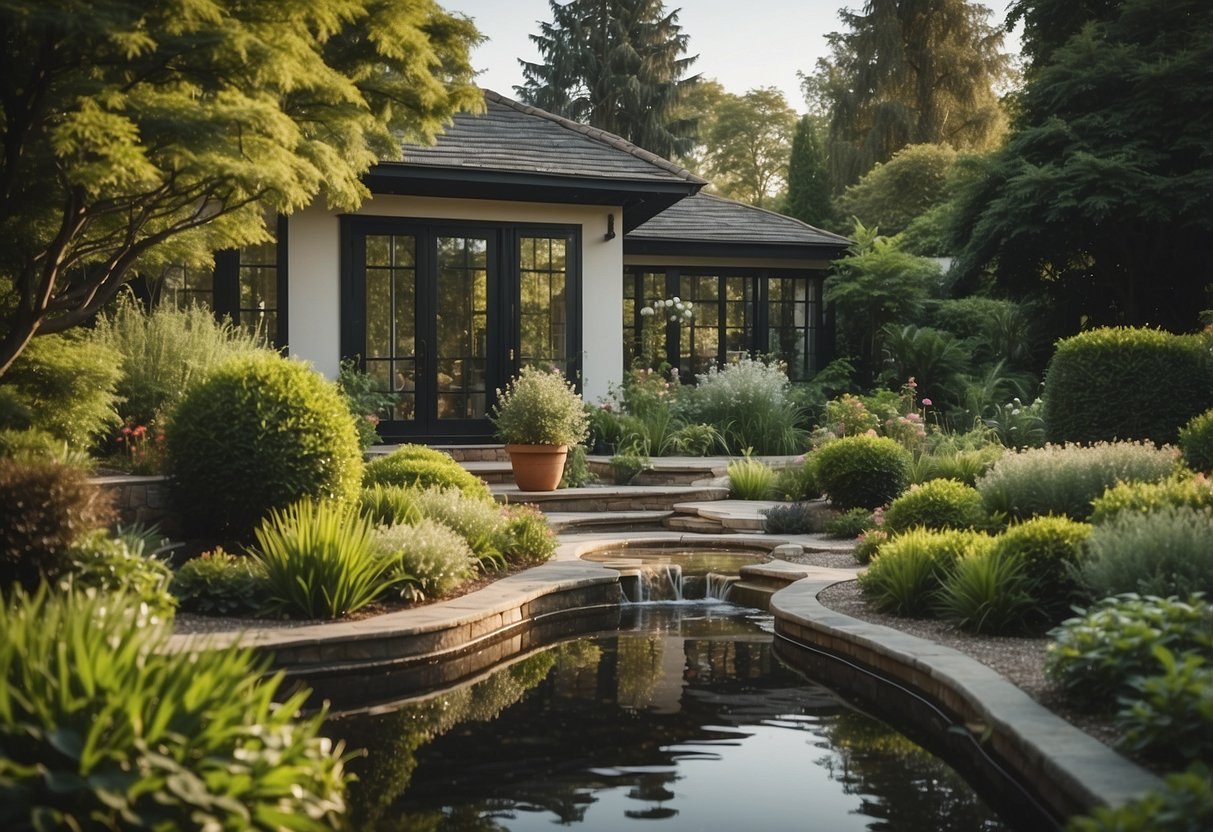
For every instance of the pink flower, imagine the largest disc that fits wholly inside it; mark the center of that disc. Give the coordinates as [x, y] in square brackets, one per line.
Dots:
[927, 402]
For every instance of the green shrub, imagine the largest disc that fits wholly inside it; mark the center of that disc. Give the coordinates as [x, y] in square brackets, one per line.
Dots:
[1183, 804]
[390, 505]
[850, 524]
[965, 466]
[696, 440]
[909, 570]
[45, 507]
[628, 464]
[750, 404]
[63, 384]
[796, 482]
[364, 399]
[862, 471]
[162, 352]
[479, 523]
[1019, 425]
[868, 544]
[416, 467]
[1127, 384]
[1169, 717]
[936, 504]
[1050, 550]
[987, 592]
[527, 537]
[428, 560]
[540, 408]
[577, 471]
[123, 563]
[256, 434]
[1196, 442]
[104, 728]
[1145, 497]
[1093, 657]
[219, 583]
[37, 444]
[1166, 552]
[1064, 479]
[750, 479]
[793, 518]
[320, 560]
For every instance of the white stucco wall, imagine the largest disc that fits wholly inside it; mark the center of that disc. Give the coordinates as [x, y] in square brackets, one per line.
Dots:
[313, 304]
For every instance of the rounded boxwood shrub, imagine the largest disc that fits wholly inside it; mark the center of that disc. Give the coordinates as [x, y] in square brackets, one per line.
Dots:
[45, 507]
[1196, 442]
[1050, 550]
[1126, 383]
[104, 728]
[936, 504]
[259, 433]
[862, 471]
[413, 466]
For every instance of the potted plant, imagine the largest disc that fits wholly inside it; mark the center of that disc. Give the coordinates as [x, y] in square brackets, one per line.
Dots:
[538, 416]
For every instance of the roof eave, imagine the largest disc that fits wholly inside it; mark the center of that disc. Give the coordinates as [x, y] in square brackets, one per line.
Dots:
[641, 200]
[750, 250]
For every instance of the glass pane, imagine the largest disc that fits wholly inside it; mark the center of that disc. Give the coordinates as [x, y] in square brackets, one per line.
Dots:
[378, 314]
[378, 250]
[542, 313]
[404, 250]
[462, 319]
[405, 306]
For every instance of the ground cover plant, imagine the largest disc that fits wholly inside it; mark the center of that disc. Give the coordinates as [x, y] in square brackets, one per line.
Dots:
[479, 523]
[259, 433]
[220, 583]
[104, 728]
[1094, 656]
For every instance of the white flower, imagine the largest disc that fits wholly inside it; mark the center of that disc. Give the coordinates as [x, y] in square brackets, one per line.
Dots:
[677, 299]
[648, 310]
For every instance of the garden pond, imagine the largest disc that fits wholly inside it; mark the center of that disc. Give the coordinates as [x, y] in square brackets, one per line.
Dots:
[683, 717]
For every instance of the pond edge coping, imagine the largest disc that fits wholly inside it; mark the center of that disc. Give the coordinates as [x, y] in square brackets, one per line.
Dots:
[1067, 768]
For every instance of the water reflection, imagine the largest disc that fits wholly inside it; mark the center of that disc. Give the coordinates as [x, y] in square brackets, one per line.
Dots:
[683, 717]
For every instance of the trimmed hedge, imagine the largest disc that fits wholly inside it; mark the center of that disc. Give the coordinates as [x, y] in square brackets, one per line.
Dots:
[1196, 442]
[862, 471]
[259, 433]
[1126, 383]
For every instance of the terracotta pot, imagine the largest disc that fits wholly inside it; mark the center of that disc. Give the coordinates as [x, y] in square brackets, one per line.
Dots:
[537, 467]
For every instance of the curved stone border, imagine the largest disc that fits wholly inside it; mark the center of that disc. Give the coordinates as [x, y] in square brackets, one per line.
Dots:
[1070, 771]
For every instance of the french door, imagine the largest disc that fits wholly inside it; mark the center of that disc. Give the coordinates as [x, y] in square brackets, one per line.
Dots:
[441, 315]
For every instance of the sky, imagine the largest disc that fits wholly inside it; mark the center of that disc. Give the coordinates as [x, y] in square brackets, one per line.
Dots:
[743, 44]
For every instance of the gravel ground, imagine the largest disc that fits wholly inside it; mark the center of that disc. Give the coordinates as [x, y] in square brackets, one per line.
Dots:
[1020, 660]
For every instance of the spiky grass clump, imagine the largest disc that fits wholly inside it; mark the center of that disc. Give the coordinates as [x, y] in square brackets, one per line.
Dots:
[320, 560]
[750, 479]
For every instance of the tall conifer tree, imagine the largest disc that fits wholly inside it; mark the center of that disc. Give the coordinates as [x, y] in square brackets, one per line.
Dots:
[910, 72]
[619, 65]
[808, 196]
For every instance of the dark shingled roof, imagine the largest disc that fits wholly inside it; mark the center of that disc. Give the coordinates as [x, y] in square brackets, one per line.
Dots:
[517, 138]
[713, 219]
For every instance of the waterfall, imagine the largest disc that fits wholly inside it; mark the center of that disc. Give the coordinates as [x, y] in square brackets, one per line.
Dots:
[666, 582]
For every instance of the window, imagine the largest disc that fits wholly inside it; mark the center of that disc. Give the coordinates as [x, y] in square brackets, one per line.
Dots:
[736, 312]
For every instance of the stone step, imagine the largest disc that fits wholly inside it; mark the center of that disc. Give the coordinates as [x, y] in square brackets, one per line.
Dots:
[613, 498]
[698, 525]
[573, 521]
[491, 471]
[460, 453]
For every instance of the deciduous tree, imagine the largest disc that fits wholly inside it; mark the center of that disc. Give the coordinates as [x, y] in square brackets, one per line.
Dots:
[747, 145]
[894, 193]
[136, 134]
